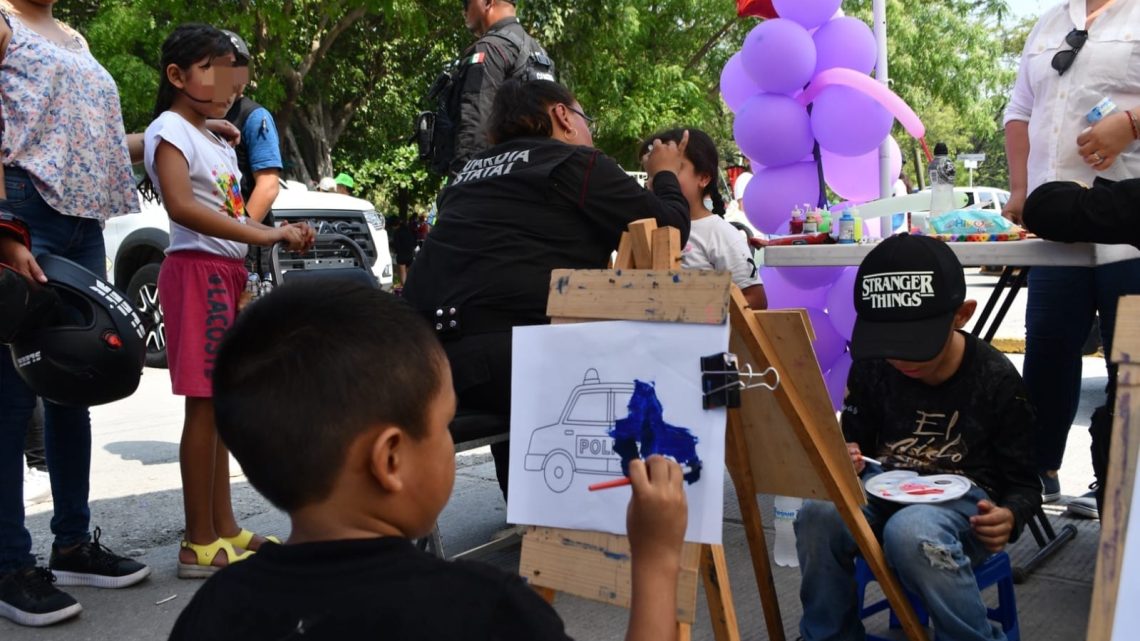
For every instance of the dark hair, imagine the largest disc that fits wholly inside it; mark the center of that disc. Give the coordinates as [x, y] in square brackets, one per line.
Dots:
[520, 109]
[309, 368]
[702, 152]
[187, 44]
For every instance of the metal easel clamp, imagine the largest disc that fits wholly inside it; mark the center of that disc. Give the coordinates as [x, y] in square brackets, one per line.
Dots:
[722, 387]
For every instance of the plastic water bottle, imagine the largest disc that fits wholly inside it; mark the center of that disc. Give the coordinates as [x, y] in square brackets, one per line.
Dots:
[941, 181]
[253, 286]
[787, 508]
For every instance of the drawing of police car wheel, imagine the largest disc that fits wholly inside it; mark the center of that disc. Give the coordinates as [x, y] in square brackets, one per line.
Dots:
[580, 441]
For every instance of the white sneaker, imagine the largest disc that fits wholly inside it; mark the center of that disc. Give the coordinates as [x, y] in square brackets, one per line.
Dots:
[37, 486]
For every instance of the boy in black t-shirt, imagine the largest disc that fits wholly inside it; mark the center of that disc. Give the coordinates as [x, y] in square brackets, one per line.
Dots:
[922, 396]
[336, 399]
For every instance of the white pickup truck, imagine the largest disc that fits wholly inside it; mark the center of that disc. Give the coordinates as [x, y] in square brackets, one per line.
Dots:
[136, 244]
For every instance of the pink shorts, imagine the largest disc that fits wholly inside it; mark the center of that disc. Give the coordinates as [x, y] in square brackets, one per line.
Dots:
[199, 293]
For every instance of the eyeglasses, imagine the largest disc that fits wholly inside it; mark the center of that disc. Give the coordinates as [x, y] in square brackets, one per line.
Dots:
[1064, 58]
[589, 120]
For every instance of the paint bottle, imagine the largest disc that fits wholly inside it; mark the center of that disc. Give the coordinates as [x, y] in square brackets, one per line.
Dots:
[796, 225]
[787, 508]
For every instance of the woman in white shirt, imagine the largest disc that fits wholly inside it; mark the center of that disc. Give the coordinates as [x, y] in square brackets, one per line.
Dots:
[1079, 53]
[713, 242]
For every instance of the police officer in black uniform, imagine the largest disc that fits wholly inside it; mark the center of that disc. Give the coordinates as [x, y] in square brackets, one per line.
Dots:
[542, 198]
[497, 55]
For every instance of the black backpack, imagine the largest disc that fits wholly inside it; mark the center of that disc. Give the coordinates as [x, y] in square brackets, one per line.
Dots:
[435, 130]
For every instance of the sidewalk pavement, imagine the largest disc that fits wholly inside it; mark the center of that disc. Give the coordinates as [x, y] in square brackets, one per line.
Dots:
[136, 499]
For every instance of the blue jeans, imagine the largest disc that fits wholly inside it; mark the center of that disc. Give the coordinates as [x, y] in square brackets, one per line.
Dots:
[1058, 316]
[930, 548]
[67, 430]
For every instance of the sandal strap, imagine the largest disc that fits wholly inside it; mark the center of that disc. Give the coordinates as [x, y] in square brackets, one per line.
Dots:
[242, 539]
[204, 554]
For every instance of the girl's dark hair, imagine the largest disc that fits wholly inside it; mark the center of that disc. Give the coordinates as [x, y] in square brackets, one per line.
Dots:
[187, 44]
[702, 152]
[520, 109]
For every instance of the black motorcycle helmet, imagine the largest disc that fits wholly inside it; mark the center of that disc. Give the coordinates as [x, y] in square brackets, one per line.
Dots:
[91, 350]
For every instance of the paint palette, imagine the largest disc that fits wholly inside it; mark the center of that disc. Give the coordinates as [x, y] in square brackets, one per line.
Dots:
[905, 486]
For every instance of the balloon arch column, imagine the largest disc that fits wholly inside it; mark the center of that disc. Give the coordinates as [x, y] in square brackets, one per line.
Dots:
[808, 114]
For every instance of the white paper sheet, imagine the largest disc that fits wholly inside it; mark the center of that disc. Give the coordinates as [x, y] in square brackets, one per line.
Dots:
[570, 383]
[1127, 618]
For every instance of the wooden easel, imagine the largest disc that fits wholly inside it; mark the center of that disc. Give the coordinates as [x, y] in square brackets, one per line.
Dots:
[787, 442]
[1121, 483]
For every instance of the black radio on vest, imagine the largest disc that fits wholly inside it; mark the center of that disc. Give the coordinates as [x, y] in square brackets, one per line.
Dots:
[437, 132]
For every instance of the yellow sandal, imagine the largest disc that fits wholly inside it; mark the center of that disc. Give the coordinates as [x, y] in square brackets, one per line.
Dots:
[204, 555]
[242, 540]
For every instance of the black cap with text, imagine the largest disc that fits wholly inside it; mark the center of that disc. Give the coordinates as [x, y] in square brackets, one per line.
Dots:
[906, 293]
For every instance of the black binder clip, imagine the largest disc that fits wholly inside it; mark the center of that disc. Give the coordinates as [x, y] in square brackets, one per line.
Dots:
[721, 382]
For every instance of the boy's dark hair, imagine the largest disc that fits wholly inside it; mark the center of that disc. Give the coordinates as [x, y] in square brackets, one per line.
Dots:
[306, 370]
[187, 44]
[520, 109]
[702, 152]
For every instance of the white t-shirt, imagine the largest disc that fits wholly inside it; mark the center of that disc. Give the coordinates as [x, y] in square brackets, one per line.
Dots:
[1055, 105]
[715, 244]
[214, 178]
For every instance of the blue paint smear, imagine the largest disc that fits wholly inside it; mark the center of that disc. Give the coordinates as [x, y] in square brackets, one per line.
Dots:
[645, 424]
[562, 283]
[676, 278]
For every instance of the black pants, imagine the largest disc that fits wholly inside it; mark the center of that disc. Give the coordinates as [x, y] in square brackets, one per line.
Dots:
[481, 374]
[34, 440]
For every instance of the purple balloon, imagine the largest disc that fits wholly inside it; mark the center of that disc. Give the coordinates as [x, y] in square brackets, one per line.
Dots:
[775, 191]
[808, 13]
[783, 294]
[779, 55]
[811, 277]
[848, 122]
[856, 178]
[836, 379]
[841, 302]
[845, 42]
[828, 344]
[773, 130]
[736, 86]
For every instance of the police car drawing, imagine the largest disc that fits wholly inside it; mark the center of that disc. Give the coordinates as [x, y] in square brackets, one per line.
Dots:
[599, 432]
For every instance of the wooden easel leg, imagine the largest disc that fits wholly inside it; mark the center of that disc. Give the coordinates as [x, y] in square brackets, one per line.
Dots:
[722, 612]
[684, 631]
[741, 473]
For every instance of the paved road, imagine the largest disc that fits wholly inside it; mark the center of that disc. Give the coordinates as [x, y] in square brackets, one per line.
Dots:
[136, 500]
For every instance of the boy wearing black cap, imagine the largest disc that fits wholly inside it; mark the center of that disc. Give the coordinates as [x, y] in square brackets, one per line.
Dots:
[922, 396]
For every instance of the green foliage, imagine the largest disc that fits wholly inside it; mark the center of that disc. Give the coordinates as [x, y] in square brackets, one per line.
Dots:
[346, 77]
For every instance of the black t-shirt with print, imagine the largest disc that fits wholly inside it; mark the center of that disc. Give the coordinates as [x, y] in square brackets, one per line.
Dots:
[978, 424]
[375, 589]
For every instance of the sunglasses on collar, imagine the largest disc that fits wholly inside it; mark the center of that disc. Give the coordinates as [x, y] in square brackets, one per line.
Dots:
[1064, 58]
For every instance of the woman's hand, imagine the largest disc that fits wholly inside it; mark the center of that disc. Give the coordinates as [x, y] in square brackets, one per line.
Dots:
[225, 129]
[856, 457]
[1102, 143]
[13, 252]
[1013, 207]
[664, 156]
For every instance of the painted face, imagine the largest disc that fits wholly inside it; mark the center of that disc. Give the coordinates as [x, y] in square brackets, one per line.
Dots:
[432, 465]
[212, 84]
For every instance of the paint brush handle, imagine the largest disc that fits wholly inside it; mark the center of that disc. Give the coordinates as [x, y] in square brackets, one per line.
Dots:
[605, 485]
[868, 459]
[622, 482]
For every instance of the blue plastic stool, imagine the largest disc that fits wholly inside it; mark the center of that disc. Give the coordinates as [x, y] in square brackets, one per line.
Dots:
[994, 570]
